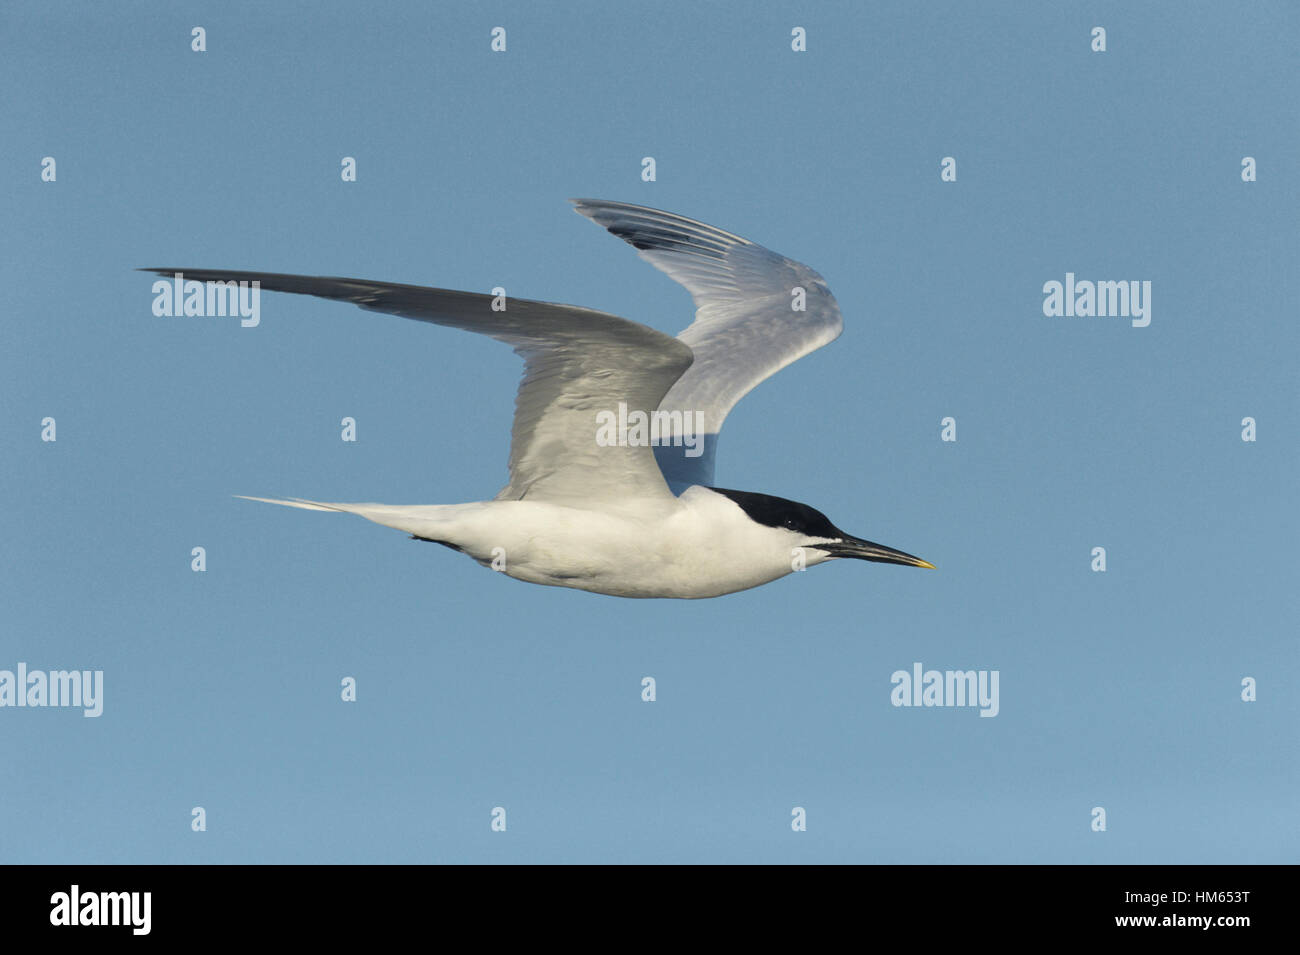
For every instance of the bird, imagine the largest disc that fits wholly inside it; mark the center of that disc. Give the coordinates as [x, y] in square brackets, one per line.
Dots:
[605, 509]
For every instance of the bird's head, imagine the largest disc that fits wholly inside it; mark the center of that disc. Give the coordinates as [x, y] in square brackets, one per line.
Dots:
[809, 528]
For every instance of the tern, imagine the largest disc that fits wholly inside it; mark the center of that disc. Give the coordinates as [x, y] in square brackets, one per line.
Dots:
[626, 517]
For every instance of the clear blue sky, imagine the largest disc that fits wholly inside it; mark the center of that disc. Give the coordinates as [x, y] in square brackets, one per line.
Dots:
[1119, 690]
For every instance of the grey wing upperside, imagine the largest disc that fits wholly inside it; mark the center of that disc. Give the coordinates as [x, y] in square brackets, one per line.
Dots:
[578, 362]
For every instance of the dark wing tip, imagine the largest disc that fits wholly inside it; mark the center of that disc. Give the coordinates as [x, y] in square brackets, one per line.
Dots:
[650, 230]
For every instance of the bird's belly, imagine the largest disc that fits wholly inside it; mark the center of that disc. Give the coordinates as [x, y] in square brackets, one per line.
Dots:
[630, 564]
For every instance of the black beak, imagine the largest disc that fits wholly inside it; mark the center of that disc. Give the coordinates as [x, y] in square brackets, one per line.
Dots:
[868, 550]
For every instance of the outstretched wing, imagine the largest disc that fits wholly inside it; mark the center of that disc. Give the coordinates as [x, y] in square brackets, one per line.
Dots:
[747, 324]
[578, 362]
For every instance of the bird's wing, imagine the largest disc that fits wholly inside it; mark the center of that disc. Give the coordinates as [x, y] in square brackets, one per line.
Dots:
[578, 363]
[747, 326]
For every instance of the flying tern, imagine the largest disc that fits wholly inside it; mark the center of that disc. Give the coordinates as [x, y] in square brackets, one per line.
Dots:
[625, 517]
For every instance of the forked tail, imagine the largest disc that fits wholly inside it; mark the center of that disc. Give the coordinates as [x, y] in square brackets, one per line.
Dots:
[303, 503]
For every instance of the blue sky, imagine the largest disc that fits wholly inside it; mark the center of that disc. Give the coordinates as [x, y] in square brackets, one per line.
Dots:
[1119, 689]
